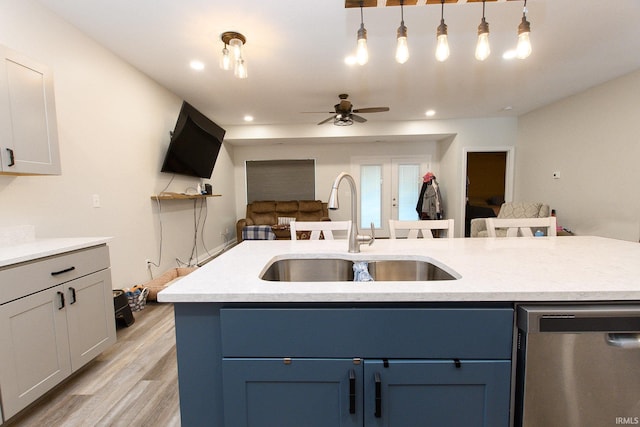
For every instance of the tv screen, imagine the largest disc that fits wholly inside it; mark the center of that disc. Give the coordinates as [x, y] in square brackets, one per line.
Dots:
[195, 144]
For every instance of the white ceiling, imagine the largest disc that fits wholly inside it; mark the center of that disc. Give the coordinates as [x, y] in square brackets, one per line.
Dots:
[296, 48]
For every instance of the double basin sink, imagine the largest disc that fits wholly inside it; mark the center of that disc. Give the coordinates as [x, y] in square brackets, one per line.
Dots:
[341, 270]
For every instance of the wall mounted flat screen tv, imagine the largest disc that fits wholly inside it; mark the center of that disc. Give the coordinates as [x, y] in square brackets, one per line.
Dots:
[195, 144]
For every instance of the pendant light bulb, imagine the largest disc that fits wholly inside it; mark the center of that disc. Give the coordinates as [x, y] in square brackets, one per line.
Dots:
[482, 47]
[402, 48]
[240, 70]
[362, 53]
[225, 61]
[236, 48]
[523, 50]
[442, 46]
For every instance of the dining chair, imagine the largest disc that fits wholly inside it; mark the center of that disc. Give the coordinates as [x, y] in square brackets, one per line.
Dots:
[315, 227]
[521, 226]
[425, 226]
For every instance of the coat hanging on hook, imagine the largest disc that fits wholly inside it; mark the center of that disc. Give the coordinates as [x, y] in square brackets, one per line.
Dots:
[430, 200]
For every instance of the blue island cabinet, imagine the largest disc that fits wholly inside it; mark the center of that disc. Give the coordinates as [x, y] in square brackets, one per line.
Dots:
[325, 365]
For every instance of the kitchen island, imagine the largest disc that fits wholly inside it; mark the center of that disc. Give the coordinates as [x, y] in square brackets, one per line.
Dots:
[256, 352]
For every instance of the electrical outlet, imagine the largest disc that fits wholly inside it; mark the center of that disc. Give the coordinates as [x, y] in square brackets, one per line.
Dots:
[147, 263]
[95, 200]
[556, 175]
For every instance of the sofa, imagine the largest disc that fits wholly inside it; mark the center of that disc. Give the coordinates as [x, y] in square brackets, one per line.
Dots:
[510, 210]
[267, 212]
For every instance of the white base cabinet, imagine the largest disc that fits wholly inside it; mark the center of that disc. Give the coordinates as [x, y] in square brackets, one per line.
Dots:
[48, 334]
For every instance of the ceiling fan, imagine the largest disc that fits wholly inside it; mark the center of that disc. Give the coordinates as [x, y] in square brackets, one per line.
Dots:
[345, 113]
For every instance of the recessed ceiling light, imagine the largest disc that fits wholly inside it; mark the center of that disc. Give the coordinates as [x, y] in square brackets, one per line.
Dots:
[196, 65]
[248, 118]
[509, 54]
[350, 60]
[430, 113]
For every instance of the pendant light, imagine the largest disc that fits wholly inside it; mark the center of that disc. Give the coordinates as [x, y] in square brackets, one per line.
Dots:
[402, 48]
[362, 53]
[232, 54]
[482, 47]
[523, 49]
[442, 47]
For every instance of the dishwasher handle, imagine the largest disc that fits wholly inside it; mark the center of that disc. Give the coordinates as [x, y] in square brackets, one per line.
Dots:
[629, 341]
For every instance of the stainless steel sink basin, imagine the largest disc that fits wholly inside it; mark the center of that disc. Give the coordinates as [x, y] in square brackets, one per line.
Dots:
[341, 270]
[407, 270]
[310, 270]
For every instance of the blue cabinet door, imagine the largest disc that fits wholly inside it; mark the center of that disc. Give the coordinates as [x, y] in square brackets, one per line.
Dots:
[292, 393]
[401, 393]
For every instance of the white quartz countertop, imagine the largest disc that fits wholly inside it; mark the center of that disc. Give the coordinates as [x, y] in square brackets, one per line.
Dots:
[40, 248]
[578, 268]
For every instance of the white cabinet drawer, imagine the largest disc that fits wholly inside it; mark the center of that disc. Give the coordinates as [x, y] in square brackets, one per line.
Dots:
[27, 278]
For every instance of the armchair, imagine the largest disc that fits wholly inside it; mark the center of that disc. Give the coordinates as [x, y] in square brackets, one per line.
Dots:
[510, 210]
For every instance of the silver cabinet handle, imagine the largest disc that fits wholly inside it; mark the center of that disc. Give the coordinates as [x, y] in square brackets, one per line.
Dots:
[624, 340]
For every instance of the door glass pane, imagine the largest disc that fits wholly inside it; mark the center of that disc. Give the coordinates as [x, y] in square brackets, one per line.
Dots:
[408, 191]
[370, 196]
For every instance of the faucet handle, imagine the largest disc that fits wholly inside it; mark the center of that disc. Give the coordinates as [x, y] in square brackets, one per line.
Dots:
[373, 234]
[363, 238]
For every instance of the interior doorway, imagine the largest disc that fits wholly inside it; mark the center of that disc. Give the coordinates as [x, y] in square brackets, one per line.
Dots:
[488, 181]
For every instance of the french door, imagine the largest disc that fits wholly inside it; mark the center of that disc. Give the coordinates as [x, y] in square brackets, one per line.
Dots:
[388, 188]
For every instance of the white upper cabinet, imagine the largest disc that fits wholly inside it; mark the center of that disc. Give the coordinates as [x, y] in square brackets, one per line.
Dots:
[28, 131]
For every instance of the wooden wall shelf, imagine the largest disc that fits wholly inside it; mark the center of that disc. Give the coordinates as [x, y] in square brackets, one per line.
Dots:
[180, 196]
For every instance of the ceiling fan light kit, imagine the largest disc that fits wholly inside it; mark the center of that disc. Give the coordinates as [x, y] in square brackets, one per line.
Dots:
[483, 49]
[344, 114]
[235, 41]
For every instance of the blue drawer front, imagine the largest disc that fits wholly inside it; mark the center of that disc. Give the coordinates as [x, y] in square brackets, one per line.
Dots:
[478, 333]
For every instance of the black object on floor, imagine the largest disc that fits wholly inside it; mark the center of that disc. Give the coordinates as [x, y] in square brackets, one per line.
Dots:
[122, 309]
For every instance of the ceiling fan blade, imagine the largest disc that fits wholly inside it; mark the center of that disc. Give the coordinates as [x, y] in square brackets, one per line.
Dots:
[326, 120]
[371, 110]
[358, 118]
[317, 112]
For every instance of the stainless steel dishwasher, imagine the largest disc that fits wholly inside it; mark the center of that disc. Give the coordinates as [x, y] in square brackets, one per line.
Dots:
[578, 365]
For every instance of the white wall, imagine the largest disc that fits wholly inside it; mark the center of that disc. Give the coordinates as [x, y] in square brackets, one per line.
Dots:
[443, 140]
[331, 159]
[592, 140]
[113, 125]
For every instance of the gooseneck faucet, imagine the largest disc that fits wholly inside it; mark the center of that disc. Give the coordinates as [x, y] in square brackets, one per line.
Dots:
[355, 240]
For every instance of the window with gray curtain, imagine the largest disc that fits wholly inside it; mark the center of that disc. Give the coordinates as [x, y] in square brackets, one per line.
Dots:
[280, 180]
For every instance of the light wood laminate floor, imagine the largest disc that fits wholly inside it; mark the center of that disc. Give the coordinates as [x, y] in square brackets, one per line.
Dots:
[133, 383]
